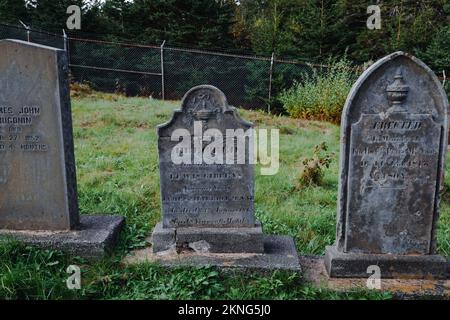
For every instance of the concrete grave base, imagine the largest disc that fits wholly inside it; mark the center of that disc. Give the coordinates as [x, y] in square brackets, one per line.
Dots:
[353, 265]
[213, 240]
[94, 236]
[279, 253]
[315, 273]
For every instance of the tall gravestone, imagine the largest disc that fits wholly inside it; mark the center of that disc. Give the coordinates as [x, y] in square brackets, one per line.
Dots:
[393, 144]
[37, 165]
[206, 161]
[205, 199]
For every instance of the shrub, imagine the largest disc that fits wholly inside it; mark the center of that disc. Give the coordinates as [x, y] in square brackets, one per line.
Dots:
[80, 90]
[312, 168]
[321, 96]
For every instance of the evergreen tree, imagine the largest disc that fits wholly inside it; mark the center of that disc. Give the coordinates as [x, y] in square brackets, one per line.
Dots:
[11, 11]
[51, 15]
[437, 53]
[310, 30]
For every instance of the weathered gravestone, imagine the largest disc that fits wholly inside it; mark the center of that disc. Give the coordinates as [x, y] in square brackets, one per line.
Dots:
[393, 146]
[204, 198]
[37, 165]
[207, 181]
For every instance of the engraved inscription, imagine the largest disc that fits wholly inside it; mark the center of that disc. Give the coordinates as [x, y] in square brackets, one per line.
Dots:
[16, 129]
[388, 176]
[393, 162]
[207, 195]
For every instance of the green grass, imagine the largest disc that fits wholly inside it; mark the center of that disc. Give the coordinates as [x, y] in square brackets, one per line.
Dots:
[117, 170]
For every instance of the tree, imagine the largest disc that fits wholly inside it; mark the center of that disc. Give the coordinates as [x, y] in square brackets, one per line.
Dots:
[50, 15]
[11, 11]
[202, 23]
[437, 53]
[406, 25]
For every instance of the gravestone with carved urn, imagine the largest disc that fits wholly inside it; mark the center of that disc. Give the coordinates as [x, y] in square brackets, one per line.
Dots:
[207, 186]
[38, 191]
[393, 145]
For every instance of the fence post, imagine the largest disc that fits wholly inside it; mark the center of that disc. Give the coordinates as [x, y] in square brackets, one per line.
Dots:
[66, 46]
[270, 81]
[162, 71]
[65, 40]
[26, 28]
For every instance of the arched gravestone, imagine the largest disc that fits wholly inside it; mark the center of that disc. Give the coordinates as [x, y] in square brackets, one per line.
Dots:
[197, 193]
[38, 189]
[393, 145]
[207, 190]
[209, 200]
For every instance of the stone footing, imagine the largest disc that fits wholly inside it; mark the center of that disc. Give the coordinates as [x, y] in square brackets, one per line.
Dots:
[279, 253]
[354, 265]
[315, 274]
[92, 239]
[214, 240]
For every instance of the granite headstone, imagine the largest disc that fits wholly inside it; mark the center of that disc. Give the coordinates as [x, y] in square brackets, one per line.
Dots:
[393, 146]
[206, 176]
[37, 165]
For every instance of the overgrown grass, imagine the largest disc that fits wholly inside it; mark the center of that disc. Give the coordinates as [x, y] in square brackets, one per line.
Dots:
[117, 170]
[321, 95]
[28, 273]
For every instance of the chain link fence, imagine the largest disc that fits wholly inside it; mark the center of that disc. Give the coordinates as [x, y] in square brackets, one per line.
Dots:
[164, 72]
[133, 70]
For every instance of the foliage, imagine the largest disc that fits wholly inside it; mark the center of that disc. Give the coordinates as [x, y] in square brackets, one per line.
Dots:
[80, 90]
[11, 11]
[193, 22]
[305, 29]
[312, 168]
[33, 274]
[437, 52]
[322, 95]
[28, 273]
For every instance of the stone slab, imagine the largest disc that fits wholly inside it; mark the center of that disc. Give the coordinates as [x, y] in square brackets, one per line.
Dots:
[279, 253]
[37, 163]
[393, 144]
[354, 265]
[94, 237]
[215, 240]
[314, 273]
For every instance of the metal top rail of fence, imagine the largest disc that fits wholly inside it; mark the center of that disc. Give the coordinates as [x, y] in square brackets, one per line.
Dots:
[166, 72]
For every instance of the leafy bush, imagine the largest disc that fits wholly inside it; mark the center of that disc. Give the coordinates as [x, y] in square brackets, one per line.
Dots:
[80, 90]
[321, 96]
[312, 168]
